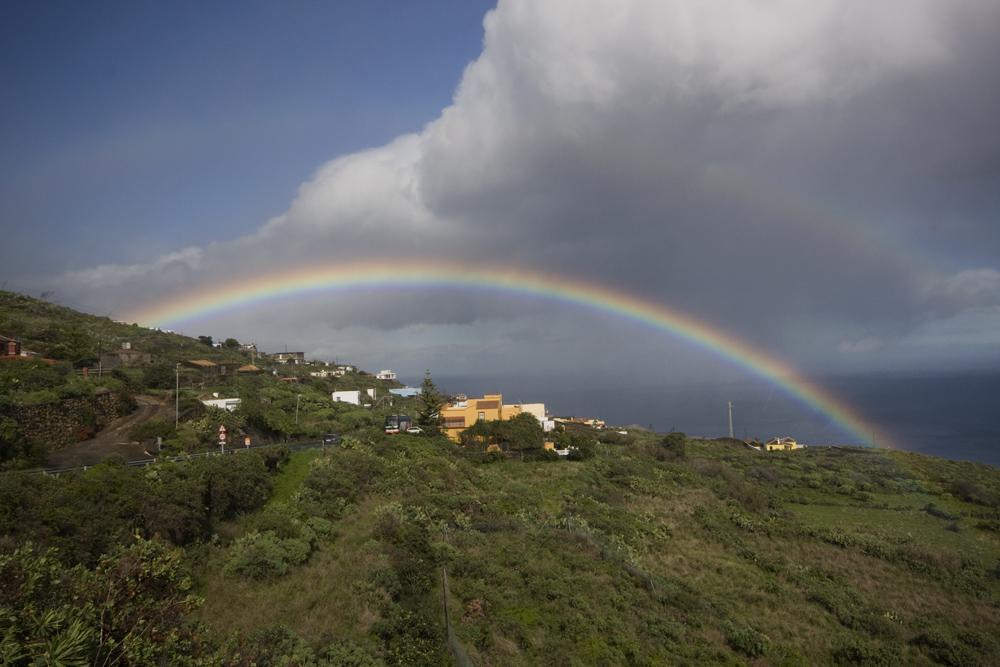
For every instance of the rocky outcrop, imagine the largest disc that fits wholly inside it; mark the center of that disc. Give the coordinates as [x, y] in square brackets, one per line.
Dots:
[68, 421]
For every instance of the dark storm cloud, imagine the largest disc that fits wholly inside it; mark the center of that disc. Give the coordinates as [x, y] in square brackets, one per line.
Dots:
[781, 170]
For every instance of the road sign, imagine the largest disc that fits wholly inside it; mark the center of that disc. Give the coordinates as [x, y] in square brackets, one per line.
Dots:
[222, 428]
[246, 441]
[222, 437]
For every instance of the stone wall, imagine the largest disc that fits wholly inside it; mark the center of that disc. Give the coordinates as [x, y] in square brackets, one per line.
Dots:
[56, 425]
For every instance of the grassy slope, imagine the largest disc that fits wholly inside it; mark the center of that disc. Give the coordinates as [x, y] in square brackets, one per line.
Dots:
[727, 557]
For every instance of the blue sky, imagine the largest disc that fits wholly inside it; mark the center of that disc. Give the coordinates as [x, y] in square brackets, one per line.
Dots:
[821, 180]
[134, 128]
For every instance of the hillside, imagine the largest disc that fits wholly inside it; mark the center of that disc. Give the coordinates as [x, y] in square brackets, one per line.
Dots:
[643, 554]
[279, 402]
[642, 550]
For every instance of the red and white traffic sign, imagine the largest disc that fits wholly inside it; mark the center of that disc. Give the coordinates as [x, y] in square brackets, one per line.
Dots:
[222, 428]
[222, 437]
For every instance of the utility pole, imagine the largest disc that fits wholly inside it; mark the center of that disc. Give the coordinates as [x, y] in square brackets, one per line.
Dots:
[297, 408]
[730, 404]
[177, 396]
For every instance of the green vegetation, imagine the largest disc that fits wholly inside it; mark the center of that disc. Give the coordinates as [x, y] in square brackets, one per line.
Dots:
[292, 405]
[520, 433]
[654, 550]
[638, 550]
[429, 404]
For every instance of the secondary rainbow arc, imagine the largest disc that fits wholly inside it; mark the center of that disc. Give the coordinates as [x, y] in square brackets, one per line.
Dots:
[345, 277]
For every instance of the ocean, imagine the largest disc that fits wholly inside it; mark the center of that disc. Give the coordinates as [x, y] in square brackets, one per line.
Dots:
[953, 416]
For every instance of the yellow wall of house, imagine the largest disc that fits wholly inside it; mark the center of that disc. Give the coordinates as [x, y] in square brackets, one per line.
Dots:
[471, 413]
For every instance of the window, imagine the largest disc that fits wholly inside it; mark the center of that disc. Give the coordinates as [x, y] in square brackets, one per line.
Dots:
[482, 416]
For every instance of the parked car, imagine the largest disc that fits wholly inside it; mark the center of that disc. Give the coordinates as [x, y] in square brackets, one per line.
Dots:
[331, 438]
[414, 429]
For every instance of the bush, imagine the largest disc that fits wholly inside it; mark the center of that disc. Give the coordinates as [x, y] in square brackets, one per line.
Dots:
[582, 450]
[158, 376]
[262, 555]
[545, 455]
[746, 639]
[939, 512]
[495, 457]
[676, 444]
[150, 430]
[860, 653]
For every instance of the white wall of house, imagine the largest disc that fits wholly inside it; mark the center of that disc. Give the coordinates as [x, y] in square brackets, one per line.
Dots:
[347, 397]
[536, 410]
[224, 403]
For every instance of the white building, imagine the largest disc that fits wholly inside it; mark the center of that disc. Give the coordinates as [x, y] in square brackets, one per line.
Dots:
[536, 410]
[224, 403]
[385, 375]
[353, 397]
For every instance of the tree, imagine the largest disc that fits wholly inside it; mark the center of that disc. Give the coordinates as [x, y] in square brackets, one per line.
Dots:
[158, 376]
[205, 340]
[521, 432]
[75, 346]
[675, 442]
[231, 343]
[431, 402]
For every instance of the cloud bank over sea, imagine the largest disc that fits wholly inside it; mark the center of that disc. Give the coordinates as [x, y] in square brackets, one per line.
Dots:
[819, 179]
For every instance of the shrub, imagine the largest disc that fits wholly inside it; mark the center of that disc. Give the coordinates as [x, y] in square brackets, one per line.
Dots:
[939, 512]
[261, 555]
[676, 444]
[158, 376]
[545, 455]
[150, 430]
[861, 653]
[582, 449]
[82, 433]
[752, 642]
[495, 457]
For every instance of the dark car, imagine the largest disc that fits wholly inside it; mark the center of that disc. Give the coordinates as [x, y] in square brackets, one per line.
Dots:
[331, 439]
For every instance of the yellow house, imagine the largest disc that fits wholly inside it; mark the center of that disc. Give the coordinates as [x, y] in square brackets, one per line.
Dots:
[465, 412]
[779, 444]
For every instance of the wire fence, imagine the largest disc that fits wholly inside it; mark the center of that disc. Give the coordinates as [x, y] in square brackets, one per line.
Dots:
[462, 658]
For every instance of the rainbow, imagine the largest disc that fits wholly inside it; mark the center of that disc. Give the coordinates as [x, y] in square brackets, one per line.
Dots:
[348, 277]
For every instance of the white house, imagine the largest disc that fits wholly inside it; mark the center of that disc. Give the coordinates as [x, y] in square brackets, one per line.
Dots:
[385, 375]
[224, 403]
[353, 396]
[536, 410]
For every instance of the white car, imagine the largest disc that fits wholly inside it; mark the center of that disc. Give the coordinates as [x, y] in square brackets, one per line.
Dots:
[414, 429]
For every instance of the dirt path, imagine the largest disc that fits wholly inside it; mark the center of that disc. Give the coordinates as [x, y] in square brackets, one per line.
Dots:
[113, 439]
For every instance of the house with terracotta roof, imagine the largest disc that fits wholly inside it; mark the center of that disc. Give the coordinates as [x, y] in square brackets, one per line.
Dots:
[12, 350]
[203, 365]
[10, 347]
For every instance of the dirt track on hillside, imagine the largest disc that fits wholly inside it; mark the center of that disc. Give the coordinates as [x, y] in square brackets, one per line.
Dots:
[113, 439]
